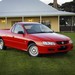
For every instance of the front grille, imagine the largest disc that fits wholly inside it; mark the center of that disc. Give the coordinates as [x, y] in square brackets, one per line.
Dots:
[62, 42]
[63, 48]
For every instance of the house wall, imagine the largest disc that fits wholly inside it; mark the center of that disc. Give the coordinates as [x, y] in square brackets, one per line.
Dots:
[32, 19]
[54, 25]
[2, 23]
[11, 21]
[52, 22]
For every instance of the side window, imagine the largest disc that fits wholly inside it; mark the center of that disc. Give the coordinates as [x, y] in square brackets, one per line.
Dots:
[13, 28]
[18, 28]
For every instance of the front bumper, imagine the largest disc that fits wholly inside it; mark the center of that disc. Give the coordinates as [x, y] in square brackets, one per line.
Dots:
[55, 49]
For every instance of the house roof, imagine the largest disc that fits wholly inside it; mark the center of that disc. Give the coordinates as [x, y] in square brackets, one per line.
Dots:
[17, 8]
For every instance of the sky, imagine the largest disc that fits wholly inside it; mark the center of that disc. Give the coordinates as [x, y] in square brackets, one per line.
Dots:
[59, 1]
[51, 1]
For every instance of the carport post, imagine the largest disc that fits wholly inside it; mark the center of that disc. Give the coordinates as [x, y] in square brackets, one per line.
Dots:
[72, 24]
[6, 21]
[22, 19]
[40, 19]
[58, 23]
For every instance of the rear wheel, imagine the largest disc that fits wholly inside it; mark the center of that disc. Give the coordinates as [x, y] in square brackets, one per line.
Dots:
[33, 50]
[2, 44]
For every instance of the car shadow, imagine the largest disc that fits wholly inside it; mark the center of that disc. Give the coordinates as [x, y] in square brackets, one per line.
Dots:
[16, 50]
[56, 55]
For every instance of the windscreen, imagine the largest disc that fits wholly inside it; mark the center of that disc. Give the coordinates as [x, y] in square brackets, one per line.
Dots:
[37, 28]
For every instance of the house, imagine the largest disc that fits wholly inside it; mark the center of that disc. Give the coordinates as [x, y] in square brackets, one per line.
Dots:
[12, 11]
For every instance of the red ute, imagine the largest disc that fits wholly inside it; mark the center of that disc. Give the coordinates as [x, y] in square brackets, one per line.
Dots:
[35, 38]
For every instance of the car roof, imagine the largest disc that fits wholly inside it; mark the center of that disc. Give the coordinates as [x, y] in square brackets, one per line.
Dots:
[27, 23]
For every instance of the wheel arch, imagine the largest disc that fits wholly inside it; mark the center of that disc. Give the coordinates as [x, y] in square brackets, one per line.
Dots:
[0, 37]
[30, 42]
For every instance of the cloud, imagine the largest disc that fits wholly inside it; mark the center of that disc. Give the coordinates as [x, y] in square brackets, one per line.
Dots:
[59, 1]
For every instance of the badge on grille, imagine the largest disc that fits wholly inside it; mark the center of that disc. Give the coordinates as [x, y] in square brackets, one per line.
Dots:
[62, 42]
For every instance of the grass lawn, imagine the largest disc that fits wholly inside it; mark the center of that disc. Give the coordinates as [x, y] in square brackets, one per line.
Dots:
[15, 62]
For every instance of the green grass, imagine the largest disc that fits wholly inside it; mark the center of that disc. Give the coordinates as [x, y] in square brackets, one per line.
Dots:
[15, 62]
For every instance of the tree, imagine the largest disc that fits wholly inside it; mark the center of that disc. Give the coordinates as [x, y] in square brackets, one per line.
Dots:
[51, 4]
[69, 6]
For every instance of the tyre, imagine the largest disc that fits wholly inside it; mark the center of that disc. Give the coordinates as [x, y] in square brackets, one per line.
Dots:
[65, 52]
[2, 44]
[33, 50]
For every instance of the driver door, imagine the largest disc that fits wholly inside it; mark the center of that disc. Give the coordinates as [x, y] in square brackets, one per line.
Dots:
[19, 41]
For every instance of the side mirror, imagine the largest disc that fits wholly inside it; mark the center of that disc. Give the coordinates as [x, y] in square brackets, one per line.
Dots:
[20, 32]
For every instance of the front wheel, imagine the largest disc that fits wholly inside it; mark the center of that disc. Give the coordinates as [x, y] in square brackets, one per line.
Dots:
[33, 50]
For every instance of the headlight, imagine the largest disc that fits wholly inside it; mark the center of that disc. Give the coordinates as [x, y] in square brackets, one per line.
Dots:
[70, 41]
[49, 43]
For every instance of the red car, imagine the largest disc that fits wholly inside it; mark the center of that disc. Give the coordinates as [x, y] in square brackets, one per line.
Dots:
[35, 38]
